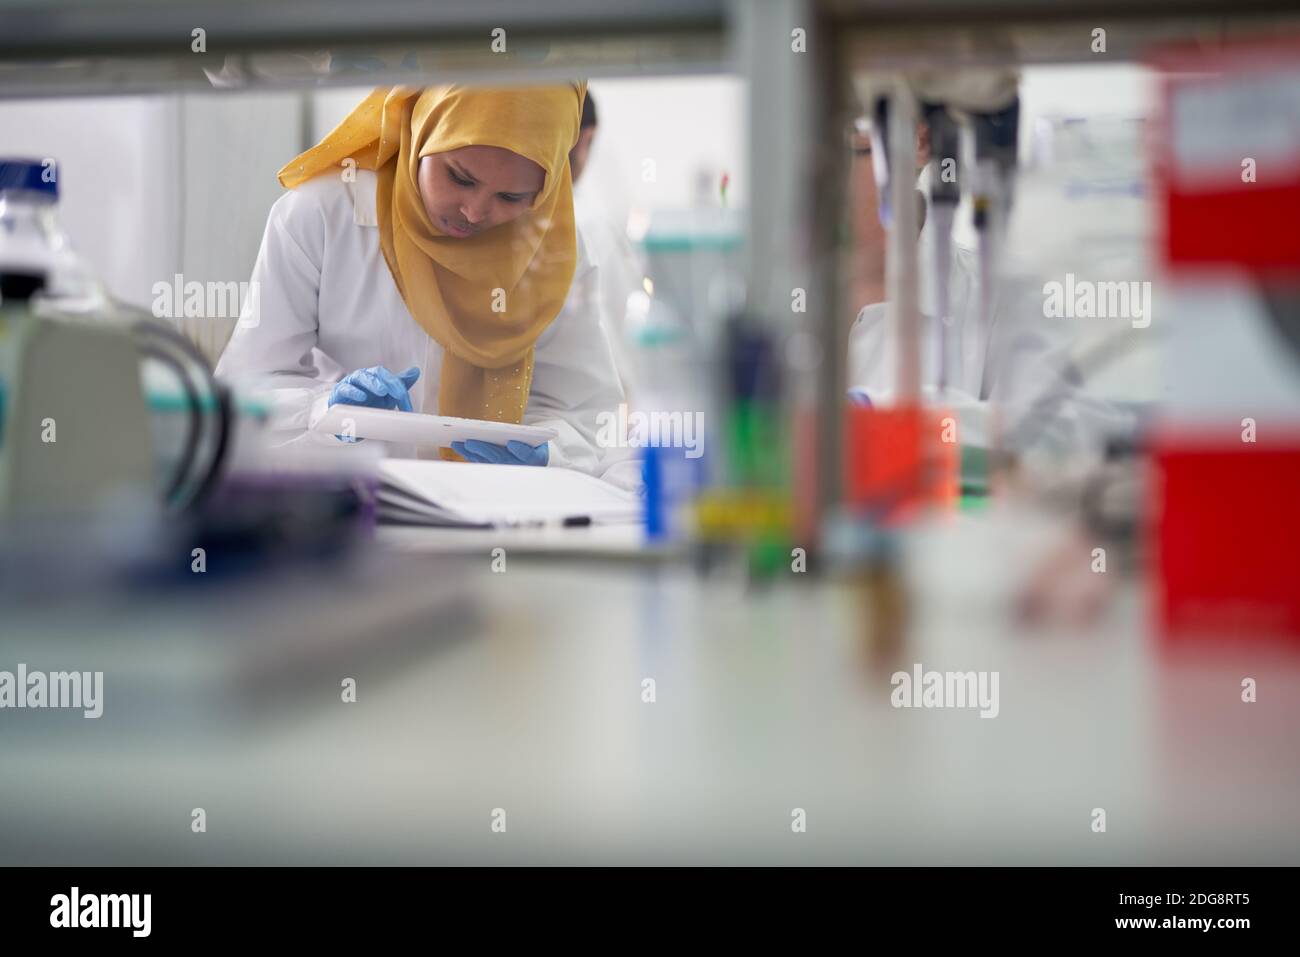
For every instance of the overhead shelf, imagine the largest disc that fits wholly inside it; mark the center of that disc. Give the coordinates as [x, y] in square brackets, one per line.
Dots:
[80, 47]
[54, 28]
[83, 47]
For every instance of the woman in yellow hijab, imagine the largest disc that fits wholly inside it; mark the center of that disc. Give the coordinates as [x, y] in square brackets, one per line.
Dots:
[464, 196]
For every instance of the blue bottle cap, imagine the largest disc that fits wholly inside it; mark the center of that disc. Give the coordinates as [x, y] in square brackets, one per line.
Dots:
[37, 176]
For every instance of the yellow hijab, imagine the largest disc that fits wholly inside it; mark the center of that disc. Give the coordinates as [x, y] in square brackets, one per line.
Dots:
[485, 298]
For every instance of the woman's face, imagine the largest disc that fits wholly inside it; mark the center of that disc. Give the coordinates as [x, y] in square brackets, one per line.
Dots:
[474, 188]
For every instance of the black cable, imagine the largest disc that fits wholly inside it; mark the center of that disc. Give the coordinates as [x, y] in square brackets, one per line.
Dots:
[225, 419]
[166, 337]
[157, 342]
[170, 335]
[190, 449]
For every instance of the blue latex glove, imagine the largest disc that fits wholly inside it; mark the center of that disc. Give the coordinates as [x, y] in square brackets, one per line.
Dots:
[512, 453]
[375, 388]
[860, 397]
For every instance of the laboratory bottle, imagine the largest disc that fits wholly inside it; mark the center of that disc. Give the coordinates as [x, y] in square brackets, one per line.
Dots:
[34, 243]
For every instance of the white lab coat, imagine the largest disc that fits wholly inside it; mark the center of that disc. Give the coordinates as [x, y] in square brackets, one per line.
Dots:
[327, 305]
[1012, 362]
[619, 266]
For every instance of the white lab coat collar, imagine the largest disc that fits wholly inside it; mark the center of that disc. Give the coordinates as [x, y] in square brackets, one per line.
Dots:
[362, 190]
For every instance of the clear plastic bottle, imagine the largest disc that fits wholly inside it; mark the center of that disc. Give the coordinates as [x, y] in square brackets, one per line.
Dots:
[667, 418]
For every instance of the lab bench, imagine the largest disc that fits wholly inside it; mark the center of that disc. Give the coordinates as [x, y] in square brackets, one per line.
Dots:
[521, 697]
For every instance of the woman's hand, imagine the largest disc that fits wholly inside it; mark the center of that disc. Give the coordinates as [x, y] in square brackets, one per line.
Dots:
[376, 388]
[512, 453]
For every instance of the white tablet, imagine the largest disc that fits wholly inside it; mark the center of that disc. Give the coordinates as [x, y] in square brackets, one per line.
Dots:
[416, 428]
